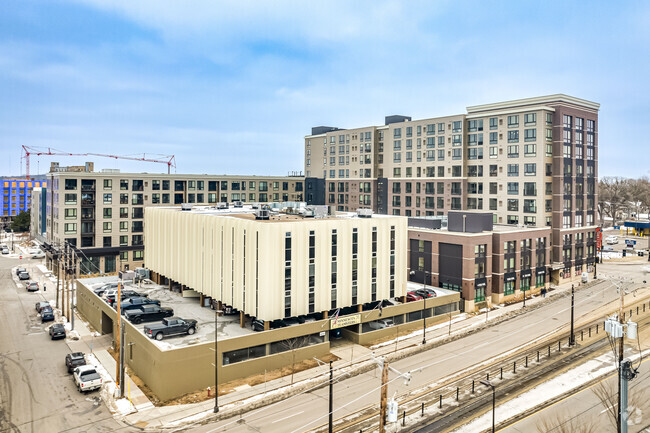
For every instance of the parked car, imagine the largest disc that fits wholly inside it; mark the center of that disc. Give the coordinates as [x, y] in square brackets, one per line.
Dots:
[32, 286]
[148, 313]
[412, 296]
[103, 288]
[611, 240]
[279, 323]
[5, 251]
[426, 293]
[20, 271]
[47, 315]
[23, 276]
[41, 305]
[126, 293]
[86, 378]
[607, 249]
[74, 360]
[381, 324]
[57, 331]
[38, 255]
[258, 325]
[134, 303]
[170, 326]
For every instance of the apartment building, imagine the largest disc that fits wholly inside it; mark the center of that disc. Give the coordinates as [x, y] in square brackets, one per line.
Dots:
[486, 263]
[37, 225]
[102, 213]
[530, 162]
[16, 196]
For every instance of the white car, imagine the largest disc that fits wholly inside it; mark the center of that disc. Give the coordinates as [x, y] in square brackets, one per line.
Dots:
[611, 240]
[5, 251]
[86, 378]
[381, 324]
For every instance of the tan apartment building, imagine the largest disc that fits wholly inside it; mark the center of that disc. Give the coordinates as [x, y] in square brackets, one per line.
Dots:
[102, 213]
[531, 162]
[282, 266]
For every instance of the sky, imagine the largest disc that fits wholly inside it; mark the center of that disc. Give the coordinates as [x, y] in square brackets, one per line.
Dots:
[232, 87]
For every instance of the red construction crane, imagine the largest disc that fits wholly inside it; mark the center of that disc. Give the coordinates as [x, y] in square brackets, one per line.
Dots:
[170, 160]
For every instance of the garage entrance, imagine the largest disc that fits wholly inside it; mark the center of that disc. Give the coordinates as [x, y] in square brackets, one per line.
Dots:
[107, 324]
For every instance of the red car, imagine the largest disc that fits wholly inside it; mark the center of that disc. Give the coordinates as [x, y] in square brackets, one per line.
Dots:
[412, 296]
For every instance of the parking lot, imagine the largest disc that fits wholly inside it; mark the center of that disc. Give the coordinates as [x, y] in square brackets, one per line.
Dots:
[185, 308]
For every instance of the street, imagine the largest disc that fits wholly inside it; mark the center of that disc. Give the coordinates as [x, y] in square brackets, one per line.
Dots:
[36, 392]
[309, 410]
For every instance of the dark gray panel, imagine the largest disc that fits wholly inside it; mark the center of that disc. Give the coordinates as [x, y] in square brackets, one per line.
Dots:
[396, 118]
[450, 263]
[423, 223]
[314, 190]
[382, 195]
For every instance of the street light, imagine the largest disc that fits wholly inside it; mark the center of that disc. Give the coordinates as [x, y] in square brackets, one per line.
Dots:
[494, 399]
[216, 363]
[424, 307]
[572, 337]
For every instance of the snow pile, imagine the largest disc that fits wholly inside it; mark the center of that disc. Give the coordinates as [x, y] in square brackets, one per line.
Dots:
[109, 389]
[73, 335]
[568, 382]
[457, 318]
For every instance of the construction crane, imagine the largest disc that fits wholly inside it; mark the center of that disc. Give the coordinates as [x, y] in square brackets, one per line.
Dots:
[28, 151]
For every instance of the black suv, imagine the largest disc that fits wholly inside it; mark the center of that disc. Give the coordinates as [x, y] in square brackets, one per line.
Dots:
[74, 360]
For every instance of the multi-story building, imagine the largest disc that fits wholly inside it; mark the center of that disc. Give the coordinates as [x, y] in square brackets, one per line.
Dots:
[37, 226]
[283, 266]
[16, 196]
[531, 162]
[102, 213]
[487, 263]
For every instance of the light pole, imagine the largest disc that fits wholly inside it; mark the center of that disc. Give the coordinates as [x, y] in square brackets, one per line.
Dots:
[494, 400]
[216, 364]
[572, 337]
[424, 307]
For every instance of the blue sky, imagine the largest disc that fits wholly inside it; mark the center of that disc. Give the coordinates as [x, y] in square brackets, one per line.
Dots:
[232, 87]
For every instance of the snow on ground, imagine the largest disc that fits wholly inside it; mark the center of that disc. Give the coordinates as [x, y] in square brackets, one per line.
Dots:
[108, 391]
[457, 318]
[569, 381]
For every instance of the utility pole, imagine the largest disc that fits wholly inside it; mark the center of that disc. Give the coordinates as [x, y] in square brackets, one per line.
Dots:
[121, 363]
[620, 362]
[572, 337]
[118, 340]
[383, 396]
[65, 280]
[58, 276]
[331, 414]
[72, 286]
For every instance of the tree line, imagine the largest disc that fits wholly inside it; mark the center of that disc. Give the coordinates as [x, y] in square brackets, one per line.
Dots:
[620, 198]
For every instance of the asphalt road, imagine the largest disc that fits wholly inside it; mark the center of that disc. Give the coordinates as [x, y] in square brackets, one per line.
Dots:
[585, 409]
[309, 410]
[36, 392]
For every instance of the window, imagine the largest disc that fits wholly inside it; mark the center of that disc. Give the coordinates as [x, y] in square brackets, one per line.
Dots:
[124, 184]
[513, 204]
[494, 152]
[70, 214]
[124, 226]
[457, 154]
[513, 188]
[530, 119]
[124, 198]
[124, 240]
[530, 169]
[567, 121]
[108, 212]
[513, 169]
[108, 183]
[513, 151]
[108, 227]
[494, 137]
[138, 255]
[513, 121]
[530, 206]
[70, 228]
[138, 185]
[530, 188]
[457, 126]
[513, 136]
[530, 150]
[530, 134]
[493, 123]
[431, 128]
[108, 198]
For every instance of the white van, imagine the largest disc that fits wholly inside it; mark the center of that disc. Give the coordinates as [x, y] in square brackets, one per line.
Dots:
[611, 240]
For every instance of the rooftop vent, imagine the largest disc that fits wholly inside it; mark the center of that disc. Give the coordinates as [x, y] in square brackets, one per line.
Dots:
[262, 214]
[364, 213]
[237, 204]
[186, 206]
[222, 205]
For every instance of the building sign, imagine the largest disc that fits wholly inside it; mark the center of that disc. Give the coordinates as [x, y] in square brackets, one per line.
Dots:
[511, 276]
[526, 274]
[480, 282]
[599, 237]
[540, 271]
[343, 321]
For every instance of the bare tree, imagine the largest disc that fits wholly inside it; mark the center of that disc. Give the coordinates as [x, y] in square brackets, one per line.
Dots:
[292, 344]
[614, 195]
[607, 393]
[564, 422]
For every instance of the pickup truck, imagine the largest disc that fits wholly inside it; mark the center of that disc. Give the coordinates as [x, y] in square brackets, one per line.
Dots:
[86, 378]
[134, 303]
[148, 313]
[170, 326]
[126, 293]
